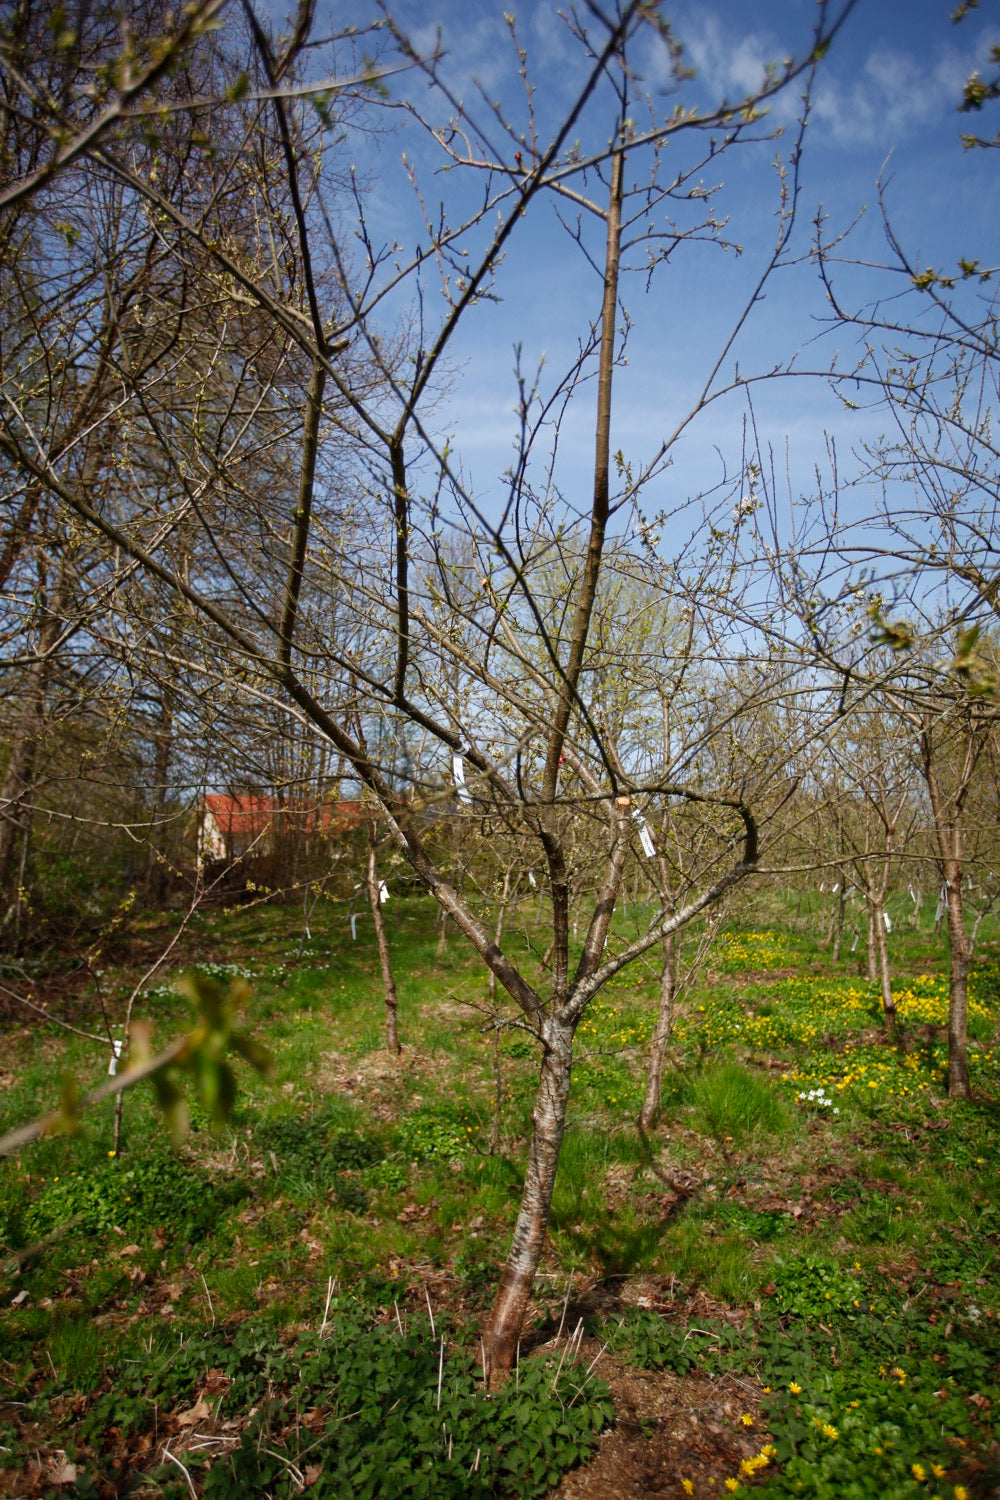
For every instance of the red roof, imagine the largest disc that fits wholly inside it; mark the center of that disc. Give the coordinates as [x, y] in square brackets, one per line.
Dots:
[249, 814]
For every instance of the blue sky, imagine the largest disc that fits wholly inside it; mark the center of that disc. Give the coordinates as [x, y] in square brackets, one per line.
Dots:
[884, 107]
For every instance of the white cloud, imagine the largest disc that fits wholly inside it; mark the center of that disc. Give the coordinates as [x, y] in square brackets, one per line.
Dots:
[895, 94]
[475, 42]
[729, 63]
[725, 63]
[882, 95]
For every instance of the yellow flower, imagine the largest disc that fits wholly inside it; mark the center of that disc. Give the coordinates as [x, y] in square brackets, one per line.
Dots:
[830, 1432]
[687, 1486]
[795, 1388]
[747, 1421]
[961, 1493]
[919, 1472]
[749, 1466]
[732, 1485]
[938, 1470]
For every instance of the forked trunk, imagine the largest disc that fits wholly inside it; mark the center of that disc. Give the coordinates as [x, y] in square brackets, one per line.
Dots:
[548, 1120]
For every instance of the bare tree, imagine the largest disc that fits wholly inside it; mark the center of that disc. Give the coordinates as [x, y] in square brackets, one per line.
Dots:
[266, 331]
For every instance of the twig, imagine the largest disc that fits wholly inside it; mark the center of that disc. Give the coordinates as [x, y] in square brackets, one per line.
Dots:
[430, 1312]
[295, 1472]
[174, 1460]
[208, 1296]
[331, 1283]
[47, 1015]
[587, 1374]
[562, 1320]
[566, 1349]
[55, 1120]
[440, 1373]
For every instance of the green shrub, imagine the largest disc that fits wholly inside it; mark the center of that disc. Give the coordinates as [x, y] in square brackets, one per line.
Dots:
[313, 1154]
[315, 1144]
[400, 1419]
[814, 1288]
[857, 1434]
[651, 1342]
[132, 1192]
[434, 1133]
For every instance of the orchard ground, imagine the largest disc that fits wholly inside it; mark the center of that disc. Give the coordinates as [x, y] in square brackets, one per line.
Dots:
[793, 1288]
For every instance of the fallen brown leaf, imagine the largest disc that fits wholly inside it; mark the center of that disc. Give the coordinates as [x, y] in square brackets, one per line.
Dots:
[194, 1414]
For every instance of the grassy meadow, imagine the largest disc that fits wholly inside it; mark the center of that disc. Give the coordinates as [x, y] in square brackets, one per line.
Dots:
[808, 1245]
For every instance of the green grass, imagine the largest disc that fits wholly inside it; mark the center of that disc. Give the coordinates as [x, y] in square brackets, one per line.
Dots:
[818, 1208]
[734, 1104]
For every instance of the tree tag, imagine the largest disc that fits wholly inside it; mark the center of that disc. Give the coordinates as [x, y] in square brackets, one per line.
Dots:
[645, 838]
[458, 771]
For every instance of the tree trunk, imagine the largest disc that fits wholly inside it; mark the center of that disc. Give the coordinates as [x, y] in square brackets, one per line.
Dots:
[548, 1119]
[661, 1035]
[15, 813]
[877, 917]
[959, 1086]
[948, 828]
[838, 922]
[15, 792]
[871, 969]
[381, 938]
[494, 1145]
[157, 866]
[918, 901]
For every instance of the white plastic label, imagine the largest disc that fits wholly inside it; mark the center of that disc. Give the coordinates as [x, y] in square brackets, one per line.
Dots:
[458, 771]
[645, 838]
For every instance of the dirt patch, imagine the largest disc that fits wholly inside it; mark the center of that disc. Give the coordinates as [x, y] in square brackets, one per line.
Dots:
[374, 1077]
[667, 1428]
[757, 976]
